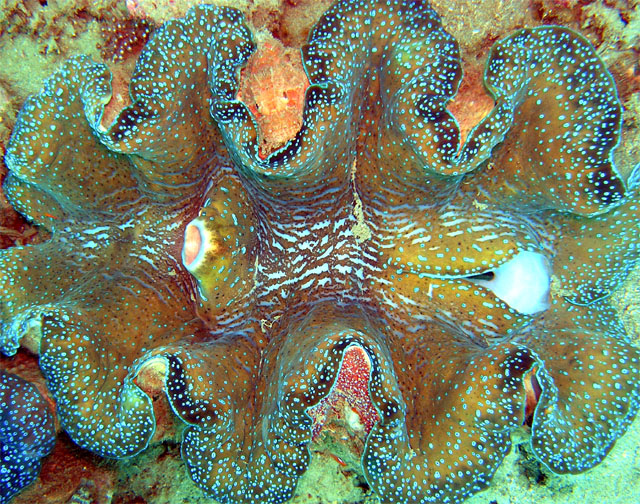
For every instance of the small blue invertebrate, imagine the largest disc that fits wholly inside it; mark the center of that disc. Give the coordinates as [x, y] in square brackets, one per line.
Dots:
[27, 434]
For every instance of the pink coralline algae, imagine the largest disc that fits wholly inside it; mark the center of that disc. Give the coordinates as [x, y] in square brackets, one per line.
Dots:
[349, 400]
[178, 249]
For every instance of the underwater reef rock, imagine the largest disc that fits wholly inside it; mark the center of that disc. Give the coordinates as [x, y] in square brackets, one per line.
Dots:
[469, 271]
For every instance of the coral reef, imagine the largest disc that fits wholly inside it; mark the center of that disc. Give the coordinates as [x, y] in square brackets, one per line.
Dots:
[351, 287]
